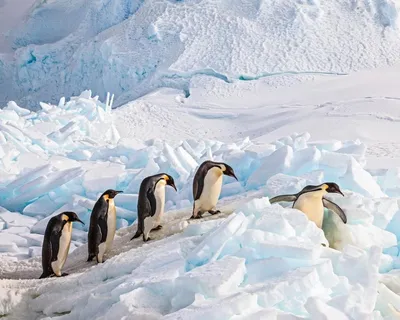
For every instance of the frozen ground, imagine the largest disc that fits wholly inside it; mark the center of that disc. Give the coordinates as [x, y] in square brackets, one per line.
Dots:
[261, 261]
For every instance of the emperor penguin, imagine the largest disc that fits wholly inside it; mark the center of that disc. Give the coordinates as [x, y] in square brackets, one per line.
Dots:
[103, 223]
[311, 202]
[151, 201]
[207, 184]
[56, 242]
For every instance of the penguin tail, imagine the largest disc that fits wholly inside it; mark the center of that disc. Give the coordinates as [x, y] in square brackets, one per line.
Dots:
[90, 257]
[137, 234]
[45, 275]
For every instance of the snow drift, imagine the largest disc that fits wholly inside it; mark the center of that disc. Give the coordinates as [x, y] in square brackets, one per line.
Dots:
[132, 47]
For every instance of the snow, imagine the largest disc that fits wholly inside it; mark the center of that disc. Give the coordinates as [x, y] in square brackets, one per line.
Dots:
[252, 259]
[268, 87]
[260, 259]
[131, 48]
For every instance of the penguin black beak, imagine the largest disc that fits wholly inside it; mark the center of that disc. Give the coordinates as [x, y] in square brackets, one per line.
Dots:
[173, 186]
[339, 191]
[232, 174]
[80, 221]
[118, 192]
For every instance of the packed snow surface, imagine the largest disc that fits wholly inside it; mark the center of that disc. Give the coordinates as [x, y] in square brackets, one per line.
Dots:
[260, 261]
[133, 47]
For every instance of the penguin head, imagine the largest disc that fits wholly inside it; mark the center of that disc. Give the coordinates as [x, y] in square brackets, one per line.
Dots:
[169, 180]
[332, 187]
[70, 216]
[111, 193]
[228, 171]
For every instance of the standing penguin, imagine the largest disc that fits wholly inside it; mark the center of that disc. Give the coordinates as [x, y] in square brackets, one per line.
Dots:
[56, 242]
[311, 202]
[207, 184]
[103, 223]
[151, 203]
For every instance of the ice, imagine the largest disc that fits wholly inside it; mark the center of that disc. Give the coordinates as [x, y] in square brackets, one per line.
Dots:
[318, 309]
[10, 239]
[14, 219]
[35, 251]
[215, 279]
[209, 249]
[42, 206]
[360, 180]
[305, 160]
[278, 162]
[103, 178]
[254, 259]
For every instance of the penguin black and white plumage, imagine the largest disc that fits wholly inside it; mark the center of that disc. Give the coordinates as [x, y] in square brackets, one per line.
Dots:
[311, 202]
[151, 201]
[56, 242]
[207, 184]
[103, 224]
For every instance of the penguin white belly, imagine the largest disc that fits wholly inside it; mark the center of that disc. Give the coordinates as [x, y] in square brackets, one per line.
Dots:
[311, 205]
[63, 248]
[111, 224]
[111, 227]
[160, 202]
[211, 190]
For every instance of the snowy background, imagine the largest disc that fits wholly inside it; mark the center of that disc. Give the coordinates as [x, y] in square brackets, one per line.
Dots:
[100, 94]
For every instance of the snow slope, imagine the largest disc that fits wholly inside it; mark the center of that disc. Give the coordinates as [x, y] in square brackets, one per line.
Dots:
[132, 47]
[261, 261]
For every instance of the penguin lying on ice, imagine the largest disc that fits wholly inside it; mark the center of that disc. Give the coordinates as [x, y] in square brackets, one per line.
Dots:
[103, 223]
[56, 242]
[311, 202]
[151, 201]
[207, 184]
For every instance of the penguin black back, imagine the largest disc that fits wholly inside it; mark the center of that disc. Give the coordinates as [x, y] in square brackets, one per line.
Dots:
[98, 228]
[147, 204]
[51, 240]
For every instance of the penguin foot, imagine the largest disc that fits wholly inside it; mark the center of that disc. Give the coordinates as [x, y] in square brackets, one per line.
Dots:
[148, 239]
[157, 228]
[64, 274]
[195, 217]
[214, 211]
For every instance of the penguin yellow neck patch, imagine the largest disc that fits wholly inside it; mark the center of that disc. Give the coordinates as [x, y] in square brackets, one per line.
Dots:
[65, 217]
[106, 197]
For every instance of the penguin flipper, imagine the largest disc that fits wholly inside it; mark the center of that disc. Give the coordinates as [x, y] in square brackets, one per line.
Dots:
[103, 229]
[198, 180]
[284, 197]
[55, 244]
[45, 275]
[152, 202]
[96, 229]
[335, 208]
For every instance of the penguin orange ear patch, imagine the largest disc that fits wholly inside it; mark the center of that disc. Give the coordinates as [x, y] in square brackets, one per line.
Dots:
[165, 177]
[65, 217]
[325, 186]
